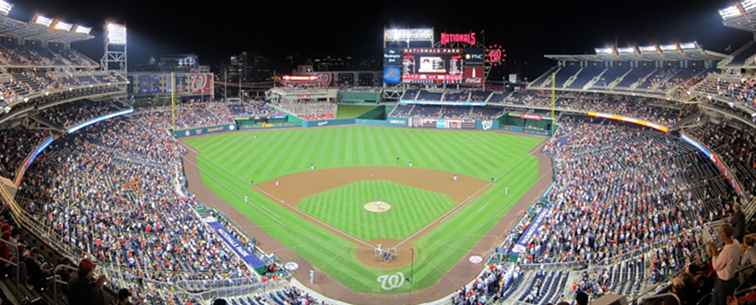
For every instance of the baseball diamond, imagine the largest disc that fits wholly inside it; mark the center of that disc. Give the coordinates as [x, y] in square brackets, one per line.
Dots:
[356, 165]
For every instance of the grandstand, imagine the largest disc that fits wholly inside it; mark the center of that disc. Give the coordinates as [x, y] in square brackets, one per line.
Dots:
[652, 71]
[650, 149]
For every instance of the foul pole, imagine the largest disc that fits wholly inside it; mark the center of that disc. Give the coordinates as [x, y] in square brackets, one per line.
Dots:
[553, 103]
[553, 98]
[173, 100]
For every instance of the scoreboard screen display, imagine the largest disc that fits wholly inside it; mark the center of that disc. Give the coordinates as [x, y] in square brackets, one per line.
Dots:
[432, 65]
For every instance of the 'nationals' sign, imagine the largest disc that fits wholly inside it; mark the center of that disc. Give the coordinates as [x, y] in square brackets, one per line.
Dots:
[467, 38]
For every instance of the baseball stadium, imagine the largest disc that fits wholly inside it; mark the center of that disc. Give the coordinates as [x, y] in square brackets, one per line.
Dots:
[626, 175]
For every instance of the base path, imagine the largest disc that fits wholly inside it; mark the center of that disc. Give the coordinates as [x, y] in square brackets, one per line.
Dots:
[461, 274]
[289, 191]
[293, 188]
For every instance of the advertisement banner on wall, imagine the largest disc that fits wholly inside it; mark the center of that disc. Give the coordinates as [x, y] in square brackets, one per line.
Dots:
[203, 130]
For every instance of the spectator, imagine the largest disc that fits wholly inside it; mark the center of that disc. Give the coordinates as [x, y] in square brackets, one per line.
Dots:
[749, 251]
[725, 263]
[738, 223]
[123, 297]
[83, 288]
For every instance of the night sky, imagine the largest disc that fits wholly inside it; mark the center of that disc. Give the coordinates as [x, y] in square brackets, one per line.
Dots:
[526, 29]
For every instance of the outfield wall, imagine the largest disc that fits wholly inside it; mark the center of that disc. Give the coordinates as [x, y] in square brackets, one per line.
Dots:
[203, 130]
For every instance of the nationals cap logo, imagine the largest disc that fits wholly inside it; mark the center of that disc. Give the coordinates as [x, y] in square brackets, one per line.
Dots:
[198, 82]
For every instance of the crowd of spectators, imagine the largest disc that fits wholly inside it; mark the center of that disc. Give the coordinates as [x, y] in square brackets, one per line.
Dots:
[16, 144]
[70, 114]
[13, 53]
[111, 191]
[446, 96]
[620, 189]
[24, 83]
[202, 115]
[294, 296]
[736, 145]
[312, 110]
[259, 109]
[741, 90]
[447, 112]
[497, 282]
[648, 109]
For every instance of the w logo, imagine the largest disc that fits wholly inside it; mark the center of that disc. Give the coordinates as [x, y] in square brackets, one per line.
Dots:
[487, 124]
[198, 82]
[391, 281]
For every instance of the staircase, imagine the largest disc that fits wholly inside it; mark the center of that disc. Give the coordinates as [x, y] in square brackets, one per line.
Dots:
[595, 80]
[572, 78]
[617, 81]
[642, 80]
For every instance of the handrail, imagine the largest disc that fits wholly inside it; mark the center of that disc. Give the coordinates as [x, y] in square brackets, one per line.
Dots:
[662, 297]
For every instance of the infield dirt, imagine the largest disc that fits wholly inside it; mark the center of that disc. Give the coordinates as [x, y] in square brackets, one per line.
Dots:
[291, 189]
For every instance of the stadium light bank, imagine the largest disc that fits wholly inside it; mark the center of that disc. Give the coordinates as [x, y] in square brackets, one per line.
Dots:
[5, 7]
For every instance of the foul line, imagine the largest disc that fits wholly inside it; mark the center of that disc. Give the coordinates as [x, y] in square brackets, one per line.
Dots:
[446, 215]
[311, 218]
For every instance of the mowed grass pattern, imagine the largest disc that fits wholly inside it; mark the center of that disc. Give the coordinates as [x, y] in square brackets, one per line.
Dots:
[343, 208]
[229, 161]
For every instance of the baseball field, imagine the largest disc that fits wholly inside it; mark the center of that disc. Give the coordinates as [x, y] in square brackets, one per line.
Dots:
[334, 196]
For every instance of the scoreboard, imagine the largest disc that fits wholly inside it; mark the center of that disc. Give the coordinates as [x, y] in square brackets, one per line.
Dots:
[431, 65]
[443, 65]
[412, 56]
[159, 83]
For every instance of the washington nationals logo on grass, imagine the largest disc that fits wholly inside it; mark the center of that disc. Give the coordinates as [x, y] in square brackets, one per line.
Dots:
[391, 281]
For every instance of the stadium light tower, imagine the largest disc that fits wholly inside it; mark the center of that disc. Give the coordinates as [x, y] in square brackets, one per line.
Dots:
[115, 57]
[5, 7]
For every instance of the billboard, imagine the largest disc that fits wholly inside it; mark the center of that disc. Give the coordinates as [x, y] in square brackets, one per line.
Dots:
[474, 75]
[395, 40]
[474, 56]
[392, 75]
[408, 36]
[392, 57]
[159, 83]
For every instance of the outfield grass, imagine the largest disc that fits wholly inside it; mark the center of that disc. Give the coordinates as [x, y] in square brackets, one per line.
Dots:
[229, 161]
[352, 111]
[343, 208]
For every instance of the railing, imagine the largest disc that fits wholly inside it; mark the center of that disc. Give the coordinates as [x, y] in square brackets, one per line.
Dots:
[664, 298]
[14, 263]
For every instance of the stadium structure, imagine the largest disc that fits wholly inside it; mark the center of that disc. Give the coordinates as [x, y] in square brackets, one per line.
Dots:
[604, 179]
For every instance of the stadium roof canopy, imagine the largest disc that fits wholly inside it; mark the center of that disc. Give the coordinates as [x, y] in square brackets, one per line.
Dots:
[32, 31]
[741, 15]
[671, 52]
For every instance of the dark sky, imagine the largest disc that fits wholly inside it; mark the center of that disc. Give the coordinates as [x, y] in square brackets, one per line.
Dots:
[527, 29]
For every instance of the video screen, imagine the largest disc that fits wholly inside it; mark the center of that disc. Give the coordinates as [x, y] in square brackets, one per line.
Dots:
[432, 65]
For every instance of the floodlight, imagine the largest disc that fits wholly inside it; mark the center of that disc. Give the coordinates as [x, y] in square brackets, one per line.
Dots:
[82, 29]
[42, 20]
[62, 26]
[748, 5]
[689, 45]
[605, 51]
[5, 7]
[648, 49]
[628, 50]
[115, 33]
[730, 12]
[669, 47]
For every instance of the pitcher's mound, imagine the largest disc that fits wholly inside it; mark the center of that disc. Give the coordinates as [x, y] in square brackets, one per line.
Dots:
[377, 207]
